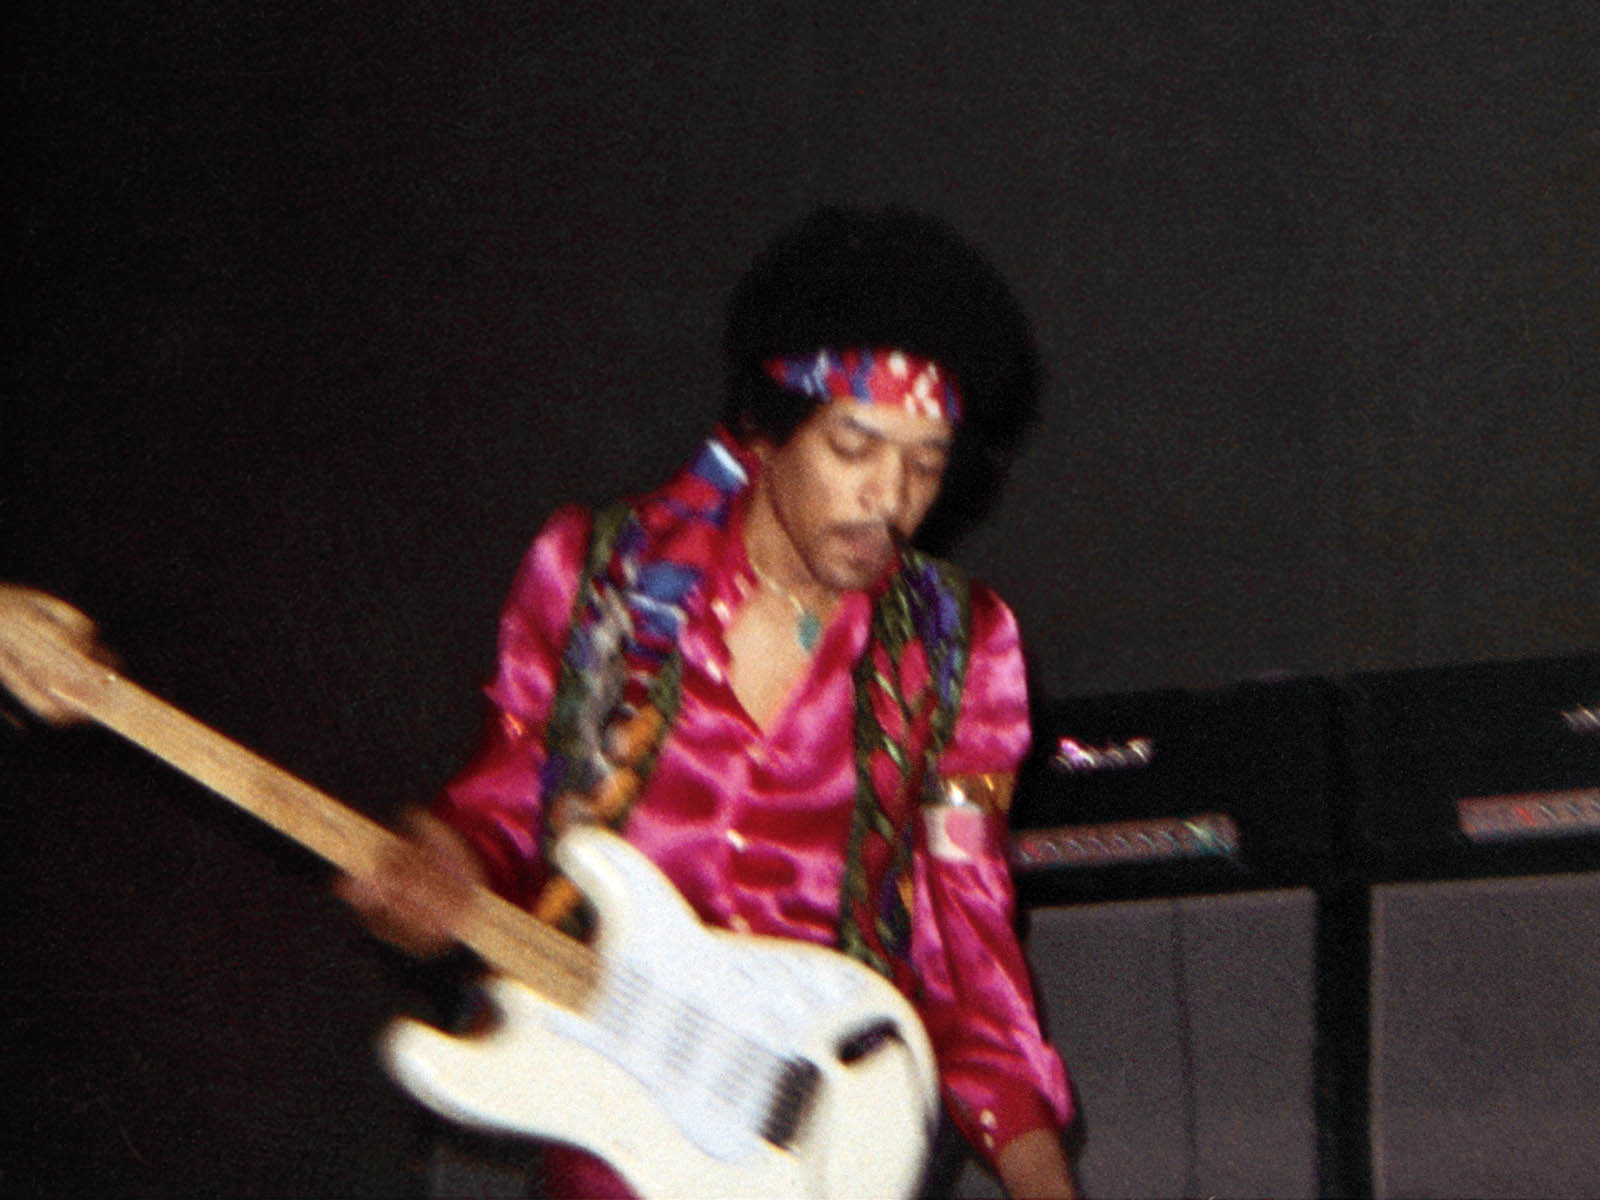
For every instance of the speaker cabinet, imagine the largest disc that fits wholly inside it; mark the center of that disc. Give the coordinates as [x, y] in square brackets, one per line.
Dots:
[1486, 1038]
[1188, 1027]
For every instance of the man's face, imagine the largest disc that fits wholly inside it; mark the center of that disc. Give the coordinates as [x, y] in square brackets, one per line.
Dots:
[853, 479]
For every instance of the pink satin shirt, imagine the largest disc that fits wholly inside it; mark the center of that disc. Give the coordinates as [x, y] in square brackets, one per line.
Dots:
[751, 824]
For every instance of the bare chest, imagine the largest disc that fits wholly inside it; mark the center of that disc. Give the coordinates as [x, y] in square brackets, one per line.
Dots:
[767, 658]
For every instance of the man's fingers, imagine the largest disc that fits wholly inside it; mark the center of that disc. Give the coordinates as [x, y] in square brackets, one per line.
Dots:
[412, 899]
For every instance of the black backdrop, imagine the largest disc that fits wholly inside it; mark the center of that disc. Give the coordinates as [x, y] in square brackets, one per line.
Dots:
[317, 310]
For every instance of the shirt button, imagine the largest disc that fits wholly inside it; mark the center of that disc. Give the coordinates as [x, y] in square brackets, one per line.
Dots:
[714, 672]
[720, 610]
[987, 1119]
[736, 839]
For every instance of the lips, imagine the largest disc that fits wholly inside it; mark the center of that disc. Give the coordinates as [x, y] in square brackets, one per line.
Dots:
[869, 546]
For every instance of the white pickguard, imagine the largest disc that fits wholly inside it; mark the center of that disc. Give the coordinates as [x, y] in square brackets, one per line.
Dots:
[674, 1072]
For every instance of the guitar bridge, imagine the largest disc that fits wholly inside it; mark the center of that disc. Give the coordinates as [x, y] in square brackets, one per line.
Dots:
[797, 1085]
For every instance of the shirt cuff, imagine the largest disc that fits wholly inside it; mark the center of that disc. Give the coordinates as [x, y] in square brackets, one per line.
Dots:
[992, 1122]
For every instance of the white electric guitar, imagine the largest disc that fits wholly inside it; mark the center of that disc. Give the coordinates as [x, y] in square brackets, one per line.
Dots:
[697, 1063]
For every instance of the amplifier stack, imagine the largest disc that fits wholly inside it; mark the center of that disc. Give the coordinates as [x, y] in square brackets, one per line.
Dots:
[1331, 937]
[1477, 798]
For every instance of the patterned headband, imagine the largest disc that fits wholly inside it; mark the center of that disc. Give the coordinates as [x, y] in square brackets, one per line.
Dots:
[890, 377]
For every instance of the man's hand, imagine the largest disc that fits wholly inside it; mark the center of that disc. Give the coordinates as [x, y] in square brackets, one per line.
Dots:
[415, 898]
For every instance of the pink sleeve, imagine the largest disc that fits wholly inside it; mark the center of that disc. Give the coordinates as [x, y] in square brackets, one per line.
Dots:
[494, 800]
[1001, 1078]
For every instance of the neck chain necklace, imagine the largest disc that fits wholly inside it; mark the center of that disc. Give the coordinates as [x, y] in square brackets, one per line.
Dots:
[807, 621]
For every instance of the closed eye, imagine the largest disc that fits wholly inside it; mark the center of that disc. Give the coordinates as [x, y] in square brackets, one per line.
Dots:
[852, 445]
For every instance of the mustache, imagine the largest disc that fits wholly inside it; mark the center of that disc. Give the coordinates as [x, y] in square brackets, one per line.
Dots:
[892, 542]
[872, 529]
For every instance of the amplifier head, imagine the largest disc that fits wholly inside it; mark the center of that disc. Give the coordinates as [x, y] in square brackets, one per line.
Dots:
[1486, 769]
[1174, 791]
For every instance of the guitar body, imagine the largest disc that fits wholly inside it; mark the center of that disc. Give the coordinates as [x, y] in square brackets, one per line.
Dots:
[708, 1064]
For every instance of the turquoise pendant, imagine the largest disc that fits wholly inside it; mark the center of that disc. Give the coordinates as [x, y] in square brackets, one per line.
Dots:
[808, 628]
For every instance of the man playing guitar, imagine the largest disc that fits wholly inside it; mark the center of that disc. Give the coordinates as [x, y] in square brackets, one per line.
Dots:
[872, 359]
[742, 702]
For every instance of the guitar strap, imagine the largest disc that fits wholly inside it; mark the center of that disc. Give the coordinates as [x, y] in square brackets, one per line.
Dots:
[616, 700]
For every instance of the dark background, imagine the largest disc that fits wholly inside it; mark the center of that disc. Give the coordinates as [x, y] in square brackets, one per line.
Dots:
[318, 309]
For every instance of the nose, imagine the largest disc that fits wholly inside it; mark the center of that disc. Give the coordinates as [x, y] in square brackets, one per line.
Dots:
[883, 493]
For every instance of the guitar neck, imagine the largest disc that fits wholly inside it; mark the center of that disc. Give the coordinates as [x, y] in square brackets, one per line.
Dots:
[507, 938]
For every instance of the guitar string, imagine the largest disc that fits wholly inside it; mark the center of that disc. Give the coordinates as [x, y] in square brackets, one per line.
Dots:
[638, 988]
[743, 1054]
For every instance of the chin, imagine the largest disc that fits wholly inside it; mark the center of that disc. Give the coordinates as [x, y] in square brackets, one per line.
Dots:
[856, 576]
